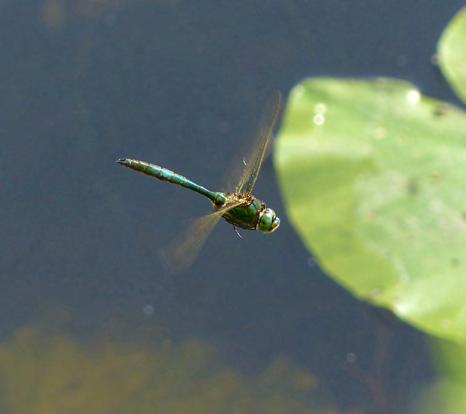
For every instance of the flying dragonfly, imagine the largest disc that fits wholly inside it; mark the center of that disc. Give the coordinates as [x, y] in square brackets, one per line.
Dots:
[238, 207]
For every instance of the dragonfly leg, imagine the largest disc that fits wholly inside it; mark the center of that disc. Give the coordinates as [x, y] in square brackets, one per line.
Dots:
[237, 232]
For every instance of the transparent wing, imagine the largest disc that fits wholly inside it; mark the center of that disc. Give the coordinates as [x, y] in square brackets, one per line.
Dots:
[254, 161]
[182, 252]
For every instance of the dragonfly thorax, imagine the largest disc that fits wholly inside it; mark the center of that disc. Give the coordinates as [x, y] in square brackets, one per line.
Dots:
[250, 214]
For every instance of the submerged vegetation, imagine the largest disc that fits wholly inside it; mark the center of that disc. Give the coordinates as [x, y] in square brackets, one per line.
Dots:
[42, 373]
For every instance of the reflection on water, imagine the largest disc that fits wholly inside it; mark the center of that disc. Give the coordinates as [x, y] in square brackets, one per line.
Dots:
[57, 374]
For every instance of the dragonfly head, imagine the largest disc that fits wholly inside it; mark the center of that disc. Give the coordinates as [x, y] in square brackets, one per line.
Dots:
[268, 221]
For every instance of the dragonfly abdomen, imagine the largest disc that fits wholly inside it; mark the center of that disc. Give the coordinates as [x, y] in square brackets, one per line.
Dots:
[164, 174]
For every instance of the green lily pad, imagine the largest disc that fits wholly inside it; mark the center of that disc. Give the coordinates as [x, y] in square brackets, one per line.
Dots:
[373, 177]
[452, 53]
[447, 393]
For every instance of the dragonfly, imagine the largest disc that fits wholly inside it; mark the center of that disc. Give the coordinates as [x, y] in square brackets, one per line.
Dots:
[238, 207]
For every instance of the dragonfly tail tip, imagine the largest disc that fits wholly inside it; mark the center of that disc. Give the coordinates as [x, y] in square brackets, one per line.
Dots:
[122, 161]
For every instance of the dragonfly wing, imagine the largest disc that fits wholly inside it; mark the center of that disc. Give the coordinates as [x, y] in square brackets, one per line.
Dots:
[182, 252]
[254, 161]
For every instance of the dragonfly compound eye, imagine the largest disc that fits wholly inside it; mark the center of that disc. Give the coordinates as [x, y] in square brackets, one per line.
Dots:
[268, 221]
